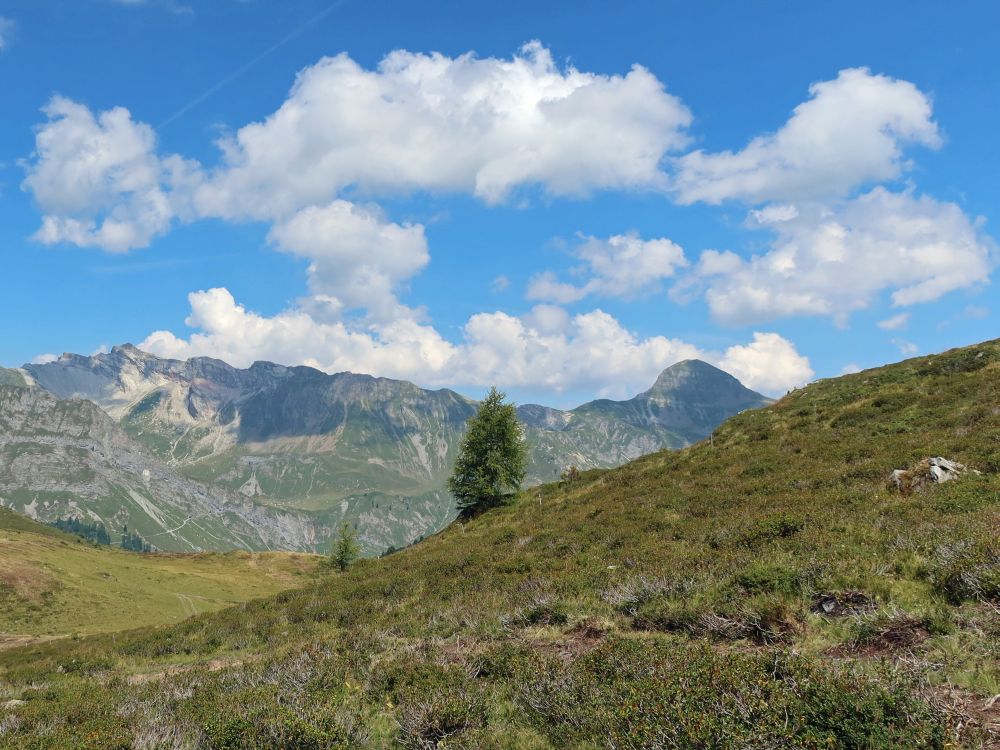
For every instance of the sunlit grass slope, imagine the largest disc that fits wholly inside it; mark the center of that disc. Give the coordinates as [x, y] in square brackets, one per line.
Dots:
[55, 584]
[764, 589]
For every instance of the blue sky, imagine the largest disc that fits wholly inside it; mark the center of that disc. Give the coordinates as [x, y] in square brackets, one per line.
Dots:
[564, 199]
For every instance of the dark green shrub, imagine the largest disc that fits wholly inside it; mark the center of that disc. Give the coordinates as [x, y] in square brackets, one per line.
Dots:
[667, 615]
[508, 661]
[547, 614]
[766, 530]
[271, 728]
[769, 578]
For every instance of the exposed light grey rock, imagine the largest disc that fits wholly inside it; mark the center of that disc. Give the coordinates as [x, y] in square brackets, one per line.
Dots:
[936, 470]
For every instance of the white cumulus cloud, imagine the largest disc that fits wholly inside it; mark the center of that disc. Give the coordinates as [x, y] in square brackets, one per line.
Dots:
[431, 122]
[417, 122]
[356, 256]
[851, 131]
[832, 260]
[98, 180]
[623, 266]
[770, 362]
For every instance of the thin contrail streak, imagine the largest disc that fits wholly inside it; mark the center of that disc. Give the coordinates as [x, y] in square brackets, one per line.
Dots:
[248, 65]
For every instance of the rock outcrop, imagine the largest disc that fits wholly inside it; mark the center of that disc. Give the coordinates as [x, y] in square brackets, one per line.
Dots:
[936, 470]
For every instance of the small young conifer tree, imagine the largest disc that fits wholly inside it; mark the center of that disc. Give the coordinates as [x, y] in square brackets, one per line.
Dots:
[345, 547]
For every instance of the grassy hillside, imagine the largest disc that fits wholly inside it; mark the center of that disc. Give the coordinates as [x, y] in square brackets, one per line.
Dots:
[763, 589]
[54, 584]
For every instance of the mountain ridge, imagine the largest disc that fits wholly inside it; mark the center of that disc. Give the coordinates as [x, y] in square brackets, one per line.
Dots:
[374, 451]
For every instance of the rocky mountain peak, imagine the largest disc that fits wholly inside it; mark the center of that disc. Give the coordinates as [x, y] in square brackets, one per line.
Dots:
[692, 375]
[130, 349]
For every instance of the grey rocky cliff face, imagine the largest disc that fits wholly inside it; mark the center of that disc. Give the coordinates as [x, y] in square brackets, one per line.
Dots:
[61, 458]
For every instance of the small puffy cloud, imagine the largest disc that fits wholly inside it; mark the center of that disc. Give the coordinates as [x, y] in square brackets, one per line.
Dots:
[622, 266]
[773, 214]
[769, 364]
[905, 347]
[850, 368]
[355, 255]
[98, 180]
[716, 263]
[432, 122]
[545, 350]
[851, 131]
[43, 359]
[499, 284]
[895, 323]
[7, 27]
[546, 286]
[626, 265]
[832, 260]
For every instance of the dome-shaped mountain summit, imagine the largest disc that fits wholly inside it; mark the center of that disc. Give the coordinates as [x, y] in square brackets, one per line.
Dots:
[687, 401]
[696, 380]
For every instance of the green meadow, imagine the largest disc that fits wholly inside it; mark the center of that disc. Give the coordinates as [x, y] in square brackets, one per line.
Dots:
[56, 584]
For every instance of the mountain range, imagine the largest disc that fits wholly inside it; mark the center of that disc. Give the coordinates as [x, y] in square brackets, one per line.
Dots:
[198, 454]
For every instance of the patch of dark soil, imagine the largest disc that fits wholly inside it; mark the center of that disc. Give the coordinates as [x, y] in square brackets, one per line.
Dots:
[587, 631]
[578, 641]
[896, 636]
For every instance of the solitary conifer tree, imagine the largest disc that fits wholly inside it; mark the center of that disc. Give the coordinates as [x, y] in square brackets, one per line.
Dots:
[345, 550]
[491, 459]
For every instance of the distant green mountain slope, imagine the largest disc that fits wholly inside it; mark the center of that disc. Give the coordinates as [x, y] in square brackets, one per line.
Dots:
[765, 589]
[687, 402]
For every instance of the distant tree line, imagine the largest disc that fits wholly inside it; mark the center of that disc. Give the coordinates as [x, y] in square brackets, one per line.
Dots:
[91, 530]
[133, 542]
